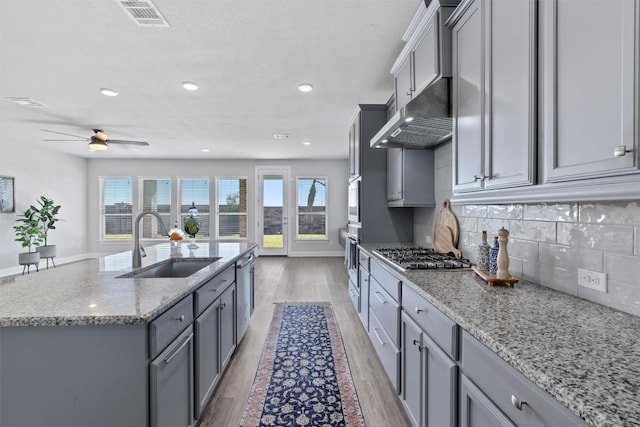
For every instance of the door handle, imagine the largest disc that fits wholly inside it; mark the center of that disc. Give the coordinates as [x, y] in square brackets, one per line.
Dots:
[169, 358]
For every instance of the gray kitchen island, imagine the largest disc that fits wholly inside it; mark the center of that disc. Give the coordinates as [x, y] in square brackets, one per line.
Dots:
[91, 344]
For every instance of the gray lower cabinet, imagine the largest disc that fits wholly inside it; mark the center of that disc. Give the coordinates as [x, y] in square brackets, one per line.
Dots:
[364, 296]
[207, 332]
[171, 384]
[214, 345]
[520, 400]
[355, 296]
[477, 410]
[429, 379]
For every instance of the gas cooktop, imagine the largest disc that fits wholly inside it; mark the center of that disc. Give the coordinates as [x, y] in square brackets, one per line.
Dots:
[417, 258]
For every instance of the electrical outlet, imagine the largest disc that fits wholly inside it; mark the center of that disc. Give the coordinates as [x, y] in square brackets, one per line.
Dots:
[427, 239]
[592, 279]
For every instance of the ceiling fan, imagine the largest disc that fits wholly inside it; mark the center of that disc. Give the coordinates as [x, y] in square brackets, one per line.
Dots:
[100, 141]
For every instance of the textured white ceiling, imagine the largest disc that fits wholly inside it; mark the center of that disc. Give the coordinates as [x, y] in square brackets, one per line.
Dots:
[247, 55]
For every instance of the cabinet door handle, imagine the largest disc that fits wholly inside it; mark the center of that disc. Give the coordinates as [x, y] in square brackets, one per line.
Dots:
[419, 310]
[621, 151]
[179, 319]
[409, 92]
[169, 358]
[480, 178]
[517, 403]
[375, 332]
[379, 296]
[223, 305]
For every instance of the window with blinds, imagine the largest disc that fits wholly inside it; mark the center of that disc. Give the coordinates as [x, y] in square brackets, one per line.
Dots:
[311, 205]
[155, 195]
[116, 207]
[231, 209]
[195, 191]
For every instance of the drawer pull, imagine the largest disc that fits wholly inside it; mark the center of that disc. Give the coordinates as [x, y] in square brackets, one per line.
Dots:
[375, 331]
[419, 310]
[379, 296]
[169, 358]
[417, 344]
[517, 403]
[223, 305]
[179, 319]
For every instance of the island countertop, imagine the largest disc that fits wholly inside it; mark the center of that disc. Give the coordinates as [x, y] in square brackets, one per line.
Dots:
[584, 354]
[89, 292]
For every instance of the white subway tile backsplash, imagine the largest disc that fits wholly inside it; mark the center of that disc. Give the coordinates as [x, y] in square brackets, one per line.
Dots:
[558, 278]
[479, 211]
[541, 231]
[524, 249]
[624, 269]
[551, 212]
[531, 271]
[570, 257]
[469, 224]
[505, 211]
[492, 226]
[609, 238]
[610, 213]
[515, 267]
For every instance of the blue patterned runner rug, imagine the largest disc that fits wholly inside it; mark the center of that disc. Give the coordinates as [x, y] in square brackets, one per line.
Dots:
[303, 376]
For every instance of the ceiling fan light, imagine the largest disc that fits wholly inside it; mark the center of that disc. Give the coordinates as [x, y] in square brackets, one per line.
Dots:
[305, 87]
[97, 145]
[100, 136]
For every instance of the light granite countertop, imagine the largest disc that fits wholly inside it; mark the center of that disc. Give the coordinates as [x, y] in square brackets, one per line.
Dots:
[89, 292]
[584, 354]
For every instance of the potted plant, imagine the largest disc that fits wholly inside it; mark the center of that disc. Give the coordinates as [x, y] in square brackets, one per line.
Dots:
[29, 233]
[47, 216]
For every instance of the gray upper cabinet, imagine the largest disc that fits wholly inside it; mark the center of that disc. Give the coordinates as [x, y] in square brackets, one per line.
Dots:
[410, 178]
[354, 149]
[590, 81]
[494, 94]
[403, 77]
[426, 55]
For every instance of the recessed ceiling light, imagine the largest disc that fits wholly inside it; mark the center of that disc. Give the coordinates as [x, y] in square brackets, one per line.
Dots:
[281, 136]
[190, 86]
[108, 92]
[205, 150]
[305, 87]
[306, 142]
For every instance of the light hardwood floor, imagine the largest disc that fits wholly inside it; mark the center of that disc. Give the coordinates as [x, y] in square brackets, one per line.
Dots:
[281, 279]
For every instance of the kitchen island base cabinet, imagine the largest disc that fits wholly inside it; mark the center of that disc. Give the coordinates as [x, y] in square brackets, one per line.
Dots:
[244, 288]
[95, 369]
[171, 384]
[215, 343]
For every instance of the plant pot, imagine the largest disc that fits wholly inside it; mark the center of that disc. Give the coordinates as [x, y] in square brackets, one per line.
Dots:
[28, 258]
[49, 251]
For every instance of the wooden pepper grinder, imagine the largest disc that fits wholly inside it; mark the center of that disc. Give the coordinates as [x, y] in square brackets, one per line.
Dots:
[503, 255]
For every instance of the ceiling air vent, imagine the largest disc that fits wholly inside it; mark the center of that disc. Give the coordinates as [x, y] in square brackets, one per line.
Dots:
[144, 13]
[25, 102]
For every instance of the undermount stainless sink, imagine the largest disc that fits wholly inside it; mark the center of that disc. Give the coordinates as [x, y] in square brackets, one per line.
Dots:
[171, 268]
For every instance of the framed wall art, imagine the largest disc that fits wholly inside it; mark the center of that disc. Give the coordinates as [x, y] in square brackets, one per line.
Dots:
[7, 200]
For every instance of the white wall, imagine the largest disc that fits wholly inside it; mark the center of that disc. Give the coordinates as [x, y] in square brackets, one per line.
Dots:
[335, 170]
[40, 172]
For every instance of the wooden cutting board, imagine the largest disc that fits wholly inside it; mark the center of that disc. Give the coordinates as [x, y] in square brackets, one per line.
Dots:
[446, 218]
[443, 242]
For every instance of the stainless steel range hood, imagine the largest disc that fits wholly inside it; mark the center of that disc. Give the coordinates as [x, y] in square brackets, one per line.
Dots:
[423, 123]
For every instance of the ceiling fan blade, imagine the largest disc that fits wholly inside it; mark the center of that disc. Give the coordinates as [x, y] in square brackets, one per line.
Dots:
[127, 142]
[62, 133]
[63, 140]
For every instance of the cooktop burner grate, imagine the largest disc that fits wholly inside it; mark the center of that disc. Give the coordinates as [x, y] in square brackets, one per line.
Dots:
[417, 258]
